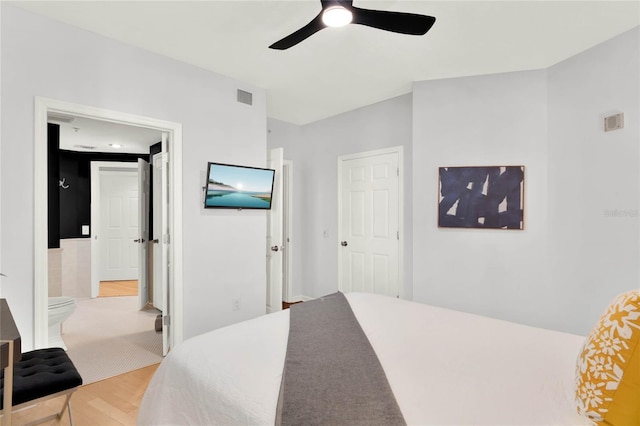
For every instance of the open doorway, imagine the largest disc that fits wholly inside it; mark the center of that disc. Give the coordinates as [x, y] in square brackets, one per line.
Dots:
[105, 169]
[171, 144]
[280, 241]
[121, 222]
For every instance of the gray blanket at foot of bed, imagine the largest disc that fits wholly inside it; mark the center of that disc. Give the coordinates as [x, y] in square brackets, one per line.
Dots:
[332, 375]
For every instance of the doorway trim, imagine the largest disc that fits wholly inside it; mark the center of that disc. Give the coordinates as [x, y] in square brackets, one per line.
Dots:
[287, 198]
[275, 233]
[43, 106]
[399, 150]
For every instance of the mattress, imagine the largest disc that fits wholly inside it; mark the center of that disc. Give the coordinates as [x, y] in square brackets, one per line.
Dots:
[444, 368]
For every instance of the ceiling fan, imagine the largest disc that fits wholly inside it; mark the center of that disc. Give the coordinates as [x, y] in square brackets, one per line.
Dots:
[336, 13]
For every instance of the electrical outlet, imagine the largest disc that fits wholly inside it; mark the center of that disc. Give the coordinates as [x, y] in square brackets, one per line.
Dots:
[235, 304]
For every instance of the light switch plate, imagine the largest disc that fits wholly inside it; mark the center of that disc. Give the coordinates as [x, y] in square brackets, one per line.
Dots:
[85, 229]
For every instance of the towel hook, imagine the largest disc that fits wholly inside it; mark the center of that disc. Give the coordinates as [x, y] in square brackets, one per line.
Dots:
[63, 183]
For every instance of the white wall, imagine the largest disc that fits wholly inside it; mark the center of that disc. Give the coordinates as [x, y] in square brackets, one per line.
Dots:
[580, 243]
[1, 277]
[488, 120]
[574, 254]
[594, 178]
[224, 252]
[314, 149]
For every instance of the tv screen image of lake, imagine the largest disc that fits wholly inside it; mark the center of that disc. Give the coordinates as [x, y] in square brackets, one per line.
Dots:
[239, 187]
[217, 198]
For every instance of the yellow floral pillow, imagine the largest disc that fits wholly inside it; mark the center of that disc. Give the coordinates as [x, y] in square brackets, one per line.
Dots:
[608, 370]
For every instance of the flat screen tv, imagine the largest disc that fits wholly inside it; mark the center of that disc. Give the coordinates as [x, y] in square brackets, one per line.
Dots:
[238, 187]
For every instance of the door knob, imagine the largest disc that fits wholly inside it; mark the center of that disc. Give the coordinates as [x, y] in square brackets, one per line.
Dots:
[275, 248]
[344, 244]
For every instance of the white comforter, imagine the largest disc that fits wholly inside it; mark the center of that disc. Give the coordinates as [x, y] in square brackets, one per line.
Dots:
[444, 367]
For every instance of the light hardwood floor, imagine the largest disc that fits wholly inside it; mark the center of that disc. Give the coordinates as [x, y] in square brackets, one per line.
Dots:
[113, 401]
[118, 288]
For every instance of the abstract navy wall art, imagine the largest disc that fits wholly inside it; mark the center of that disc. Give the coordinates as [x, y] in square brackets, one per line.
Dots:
[481, 197]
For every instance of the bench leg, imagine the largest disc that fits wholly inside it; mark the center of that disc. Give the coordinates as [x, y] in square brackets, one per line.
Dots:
[57, 416]
[67, 406]
[70, 415]
[8, 387]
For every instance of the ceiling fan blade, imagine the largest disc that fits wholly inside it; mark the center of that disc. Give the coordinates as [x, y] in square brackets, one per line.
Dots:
[398, 22]
[292, 39]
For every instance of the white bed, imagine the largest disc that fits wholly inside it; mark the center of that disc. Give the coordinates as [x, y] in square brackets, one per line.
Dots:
[444, 368]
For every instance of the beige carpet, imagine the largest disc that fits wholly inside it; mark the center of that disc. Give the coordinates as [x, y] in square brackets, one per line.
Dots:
[109, 336]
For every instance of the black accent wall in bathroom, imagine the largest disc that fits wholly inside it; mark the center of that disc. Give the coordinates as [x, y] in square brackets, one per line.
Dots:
[75, 193]
[69, 186]
[53, 195]
[153, 150]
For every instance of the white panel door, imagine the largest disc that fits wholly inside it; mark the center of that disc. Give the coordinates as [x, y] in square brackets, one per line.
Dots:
[275, 237]
[119, 225]
[369, 220]
[166, 305]
[156, 176]
[143, 233]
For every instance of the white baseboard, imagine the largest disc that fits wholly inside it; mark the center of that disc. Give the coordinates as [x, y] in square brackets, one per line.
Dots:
[302, 298]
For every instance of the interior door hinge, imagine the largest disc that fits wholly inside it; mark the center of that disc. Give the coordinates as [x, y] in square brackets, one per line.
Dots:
[398, 235]
[165, 238]
[166, 320]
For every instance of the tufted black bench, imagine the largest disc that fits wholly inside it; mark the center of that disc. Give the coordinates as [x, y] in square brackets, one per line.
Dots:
[43, 374]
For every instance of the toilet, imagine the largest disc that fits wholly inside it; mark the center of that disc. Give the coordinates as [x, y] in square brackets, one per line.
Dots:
[60, 308]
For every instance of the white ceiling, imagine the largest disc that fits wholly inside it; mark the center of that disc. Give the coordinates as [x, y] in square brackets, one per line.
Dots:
[337, 70]
[87, 135]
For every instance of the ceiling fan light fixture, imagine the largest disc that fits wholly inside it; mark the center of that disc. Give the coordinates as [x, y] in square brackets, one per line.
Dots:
[337, 16]
[337, 13]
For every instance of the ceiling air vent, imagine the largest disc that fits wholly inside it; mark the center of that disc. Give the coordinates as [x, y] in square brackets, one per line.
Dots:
[245, 97]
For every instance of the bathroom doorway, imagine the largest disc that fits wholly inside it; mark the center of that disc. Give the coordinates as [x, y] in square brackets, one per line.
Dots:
[112, 234]
[171, 142]
[121, 219]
